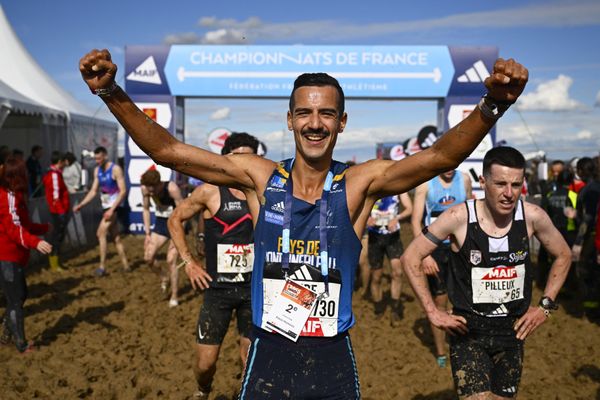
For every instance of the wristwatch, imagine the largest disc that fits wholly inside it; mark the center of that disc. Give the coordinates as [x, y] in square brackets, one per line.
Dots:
[547, 305]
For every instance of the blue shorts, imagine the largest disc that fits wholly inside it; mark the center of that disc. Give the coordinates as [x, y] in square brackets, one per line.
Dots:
[312, 368]
[161, 228]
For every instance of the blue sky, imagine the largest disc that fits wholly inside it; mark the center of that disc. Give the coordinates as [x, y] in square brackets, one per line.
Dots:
[556, 40]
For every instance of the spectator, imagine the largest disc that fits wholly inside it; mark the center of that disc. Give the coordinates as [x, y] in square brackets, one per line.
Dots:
[71, 172]
[34, 170]
[17, 236]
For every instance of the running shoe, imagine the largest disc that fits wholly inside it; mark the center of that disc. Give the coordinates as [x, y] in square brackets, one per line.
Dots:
[28, 347]
[201, 395]
[441, 361]
[379, 309]
[100, 272]
[173, 303]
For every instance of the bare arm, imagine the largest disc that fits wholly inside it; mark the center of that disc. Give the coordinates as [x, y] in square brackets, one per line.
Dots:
[418, 209]
[120, 178]
[506, 83]
[468, 186]
[407, 207]
[194, 204]
[420, 248]
[540, 225]
[146, 210]
[91, 194]
[175, 193]
[98, 71]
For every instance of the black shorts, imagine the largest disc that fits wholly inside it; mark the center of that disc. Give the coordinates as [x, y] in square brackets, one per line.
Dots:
[216, 310]
[486, 363]
[312, 368]
[161, 228]
[383, 245]
[437, 284]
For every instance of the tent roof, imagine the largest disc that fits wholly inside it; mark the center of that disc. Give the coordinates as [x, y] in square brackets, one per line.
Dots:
[13, 100]
[28, 80]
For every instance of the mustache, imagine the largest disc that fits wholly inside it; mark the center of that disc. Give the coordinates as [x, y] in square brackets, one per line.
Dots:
[316, 132]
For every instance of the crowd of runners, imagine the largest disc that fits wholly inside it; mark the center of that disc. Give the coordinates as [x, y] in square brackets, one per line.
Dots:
[284, 245]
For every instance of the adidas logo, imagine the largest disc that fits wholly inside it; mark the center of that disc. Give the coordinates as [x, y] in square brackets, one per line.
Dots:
[500, 311]
[302, 274]
[146, 72]
[279, 207]
[477, 73]
[510, 389]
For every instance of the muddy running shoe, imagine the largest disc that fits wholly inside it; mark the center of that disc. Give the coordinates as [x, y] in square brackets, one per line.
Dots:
[397, 314]
[100, 272]
[27, 347]
[173, 303]
[441, 361]
[379, 309]
[201, 395]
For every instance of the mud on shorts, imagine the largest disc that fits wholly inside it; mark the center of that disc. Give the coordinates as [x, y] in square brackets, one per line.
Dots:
[437, 284]
[215, 314]
[161, 228]
[483, 362]
[380, 245]
[311, 368]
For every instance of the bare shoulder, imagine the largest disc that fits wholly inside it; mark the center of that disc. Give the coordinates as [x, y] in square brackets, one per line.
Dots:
[258, 168]
[363, 174]
[457, 213]
[535, 215]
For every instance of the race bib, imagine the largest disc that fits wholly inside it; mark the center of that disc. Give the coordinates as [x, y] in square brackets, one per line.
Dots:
[291, 309]
[501, 284]
[323, 319]
[235, 258]
[107, 199]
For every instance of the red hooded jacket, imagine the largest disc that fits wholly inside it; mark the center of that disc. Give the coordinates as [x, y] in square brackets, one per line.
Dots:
[17, 232]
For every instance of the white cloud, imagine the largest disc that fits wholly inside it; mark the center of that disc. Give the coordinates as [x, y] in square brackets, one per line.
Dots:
[274, 136]
[560, 135]
[554, 14]
[550, 96]
[584, 134]
[597, 104]
[182, 38]
[221, 113]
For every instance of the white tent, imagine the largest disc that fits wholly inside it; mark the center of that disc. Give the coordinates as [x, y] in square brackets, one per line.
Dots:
[34, 109]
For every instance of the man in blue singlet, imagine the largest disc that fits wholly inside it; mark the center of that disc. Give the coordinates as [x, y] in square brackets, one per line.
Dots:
[309, 213]
[431, 199]
[490, 278]
[110, 181]
[164, 196]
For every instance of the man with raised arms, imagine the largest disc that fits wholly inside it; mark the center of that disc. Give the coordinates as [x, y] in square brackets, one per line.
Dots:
[309, 213]
[489, 278]
[228, 235]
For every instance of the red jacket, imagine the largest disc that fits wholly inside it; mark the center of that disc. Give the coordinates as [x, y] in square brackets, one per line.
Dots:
[57, 194]
[17, 232]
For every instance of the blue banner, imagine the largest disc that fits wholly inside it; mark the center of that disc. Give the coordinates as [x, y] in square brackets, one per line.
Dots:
[269, 71]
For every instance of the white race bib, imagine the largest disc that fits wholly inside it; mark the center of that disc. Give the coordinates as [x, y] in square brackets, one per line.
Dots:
[108, 199]
[323, 319]
[291, 309]
[498, 285]
[235, 258]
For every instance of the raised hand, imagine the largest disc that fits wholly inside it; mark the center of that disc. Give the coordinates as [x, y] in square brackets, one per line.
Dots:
[507, 81]
[98, 70]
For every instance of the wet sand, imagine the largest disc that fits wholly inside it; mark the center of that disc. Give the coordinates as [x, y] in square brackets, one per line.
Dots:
[116, 338]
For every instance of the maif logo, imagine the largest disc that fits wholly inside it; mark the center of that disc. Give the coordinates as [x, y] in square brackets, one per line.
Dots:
[146, 72]
[476, 74]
